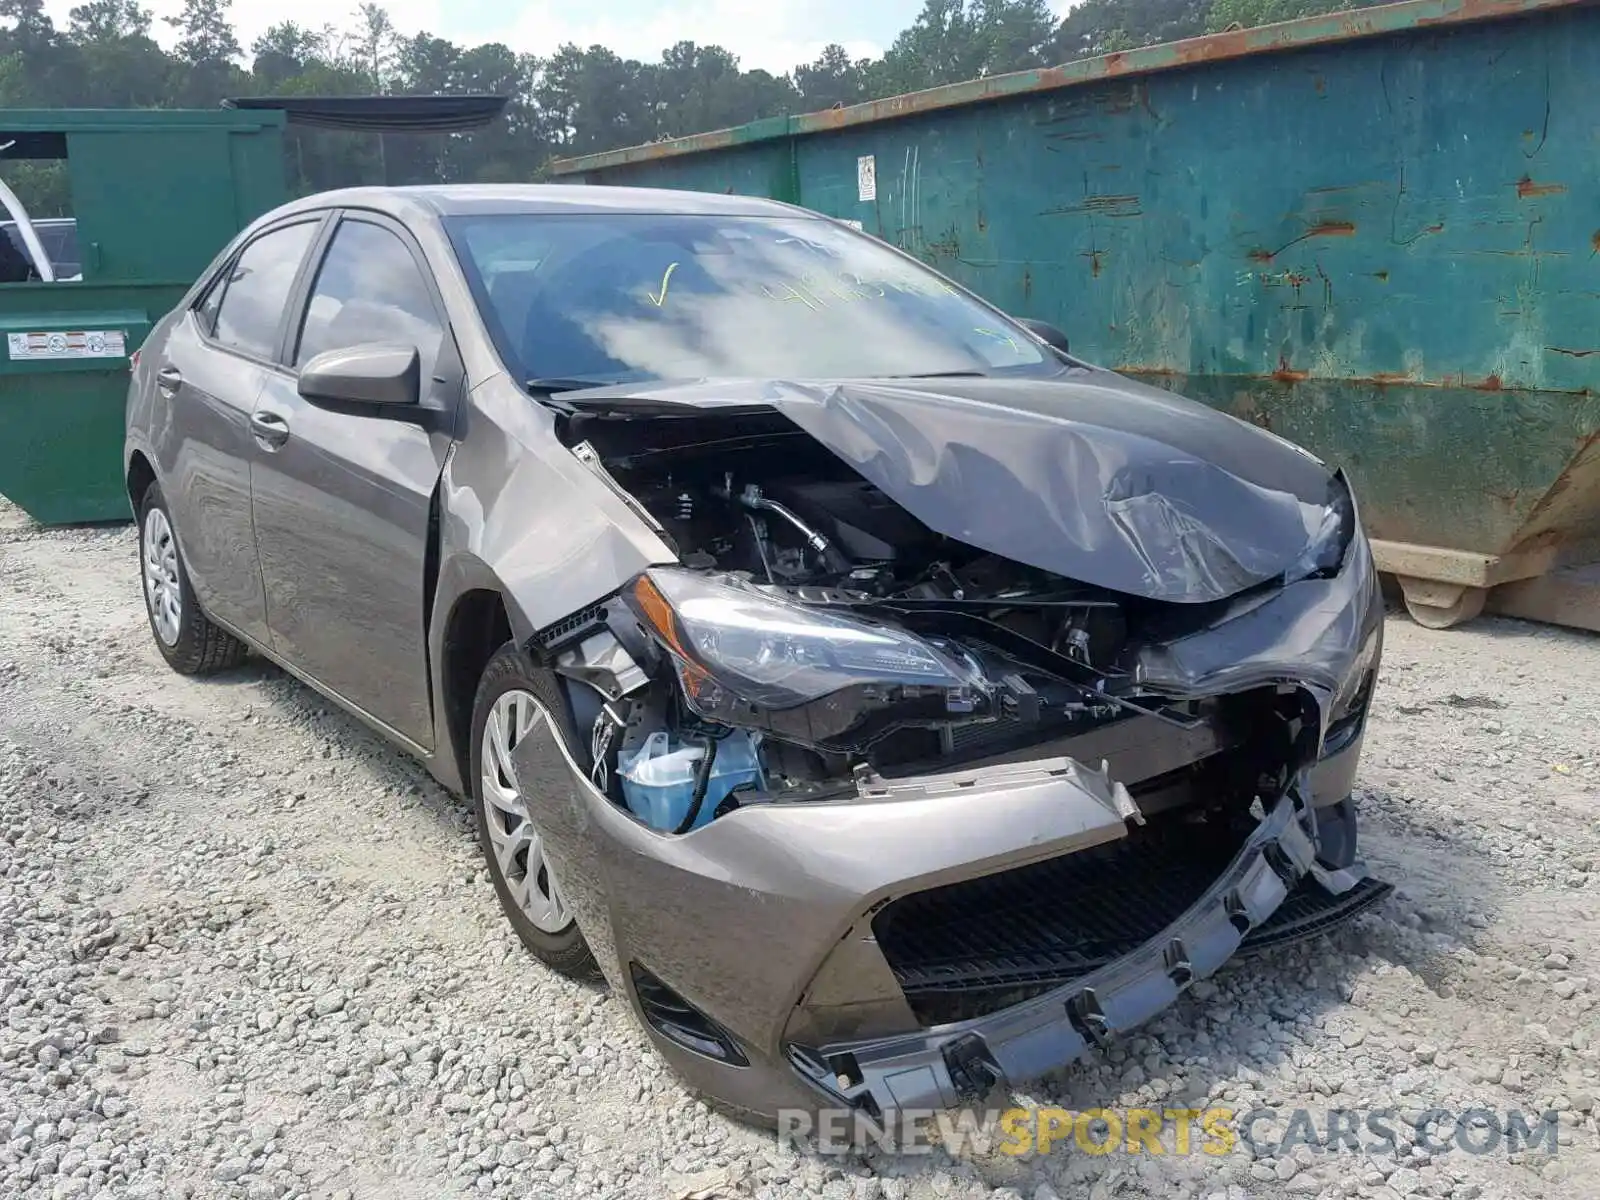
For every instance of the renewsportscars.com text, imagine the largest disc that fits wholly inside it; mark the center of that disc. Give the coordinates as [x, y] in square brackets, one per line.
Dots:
[1214, 1131]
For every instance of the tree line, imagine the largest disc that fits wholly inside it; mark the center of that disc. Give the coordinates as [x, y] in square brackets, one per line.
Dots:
[576, 101]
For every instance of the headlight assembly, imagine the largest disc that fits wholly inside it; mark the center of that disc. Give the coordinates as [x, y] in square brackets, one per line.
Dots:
[1355, 688]
[1324, 553]
[745, 658]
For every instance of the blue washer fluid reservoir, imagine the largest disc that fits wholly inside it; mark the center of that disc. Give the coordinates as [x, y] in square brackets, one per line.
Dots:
[658, 779]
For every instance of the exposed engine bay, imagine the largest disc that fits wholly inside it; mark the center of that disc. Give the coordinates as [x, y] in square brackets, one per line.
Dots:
[1028, 705]
[818, 640]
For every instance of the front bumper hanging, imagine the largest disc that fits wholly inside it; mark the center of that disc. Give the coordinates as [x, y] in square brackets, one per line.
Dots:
[958, 1064]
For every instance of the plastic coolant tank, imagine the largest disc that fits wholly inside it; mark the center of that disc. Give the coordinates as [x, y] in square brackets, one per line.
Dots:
[658, 780]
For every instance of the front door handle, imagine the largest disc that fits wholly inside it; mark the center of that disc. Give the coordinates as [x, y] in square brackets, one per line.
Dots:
[270, 430]
[169, 379]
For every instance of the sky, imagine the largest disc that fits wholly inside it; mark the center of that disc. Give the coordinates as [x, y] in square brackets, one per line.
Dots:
[770, 34]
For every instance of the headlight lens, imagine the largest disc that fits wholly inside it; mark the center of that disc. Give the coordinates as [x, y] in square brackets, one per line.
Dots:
[1324, 553]
[1355, 683]
[747, 658]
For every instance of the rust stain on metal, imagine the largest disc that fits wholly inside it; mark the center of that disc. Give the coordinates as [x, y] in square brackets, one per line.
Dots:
[1594, 241]
[983, 222]
[1526, 188]
[1381, 276]
[1094, 262]
[1320, 229]
[1027, 283]
[1382, 379]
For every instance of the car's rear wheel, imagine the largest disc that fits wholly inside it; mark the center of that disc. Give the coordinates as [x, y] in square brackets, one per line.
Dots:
[186, 637]
[506, 711]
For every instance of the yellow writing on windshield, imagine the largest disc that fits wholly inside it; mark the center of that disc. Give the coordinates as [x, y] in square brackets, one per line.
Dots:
[788, 293]
[666, 280]
[997, 336]
[819, 293]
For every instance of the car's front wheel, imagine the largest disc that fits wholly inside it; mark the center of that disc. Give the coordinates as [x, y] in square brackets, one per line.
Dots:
[186, 637]
[506, 711]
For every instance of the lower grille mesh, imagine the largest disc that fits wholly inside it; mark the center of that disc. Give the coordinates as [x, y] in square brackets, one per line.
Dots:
[972, 948]
[979, 945]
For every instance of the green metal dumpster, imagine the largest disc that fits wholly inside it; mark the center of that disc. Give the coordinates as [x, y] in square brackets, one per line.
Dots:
[1374, 232]
[155, 195]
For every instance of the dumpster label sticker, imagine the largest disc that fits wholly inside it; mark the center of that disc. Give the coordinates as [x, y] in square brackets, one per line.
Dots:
[867, 177]
[78, 343]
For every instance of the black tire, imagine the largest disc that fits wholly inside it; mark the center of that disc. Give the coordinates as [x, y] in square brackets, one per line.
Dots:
[200, 647]
[564, 951]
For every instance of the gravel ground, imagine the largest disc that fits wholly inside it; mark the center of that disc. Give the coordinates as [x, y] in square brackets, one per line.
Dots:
[246, 950]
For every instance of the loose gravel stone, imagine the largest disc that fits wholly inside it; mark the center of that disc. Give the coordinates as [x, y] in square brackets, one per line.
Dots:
[248, 951]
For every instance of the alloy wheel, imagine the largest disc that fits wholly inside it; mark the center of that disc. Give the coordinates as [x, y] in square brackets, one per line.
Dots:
[162, 592]
[518, 849]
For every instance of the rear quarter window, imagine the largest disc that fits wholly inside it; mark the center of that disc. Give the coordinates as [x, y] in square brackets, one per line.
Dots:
[255, 290]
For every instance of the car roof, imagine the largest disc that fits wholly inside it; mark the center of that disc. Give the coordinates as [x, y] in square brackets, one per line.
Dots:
[449, 200]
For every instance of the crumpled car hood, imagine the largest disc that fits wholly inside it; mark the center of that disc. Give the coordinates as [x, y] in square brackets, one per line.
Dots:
[1088, 475]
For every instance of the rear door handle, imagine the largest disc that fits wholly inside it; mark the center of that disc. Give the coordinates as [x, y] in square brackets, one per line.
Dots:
[269, 429]
[169, 378]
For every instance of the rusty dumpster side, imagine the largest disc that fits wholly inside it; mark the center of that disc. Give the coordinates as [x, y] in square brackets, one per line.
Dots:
[1375, 232]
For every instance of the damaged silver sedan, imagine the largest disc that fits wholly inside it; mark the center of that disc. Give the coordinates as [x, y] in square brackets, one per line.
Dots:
[889, 704]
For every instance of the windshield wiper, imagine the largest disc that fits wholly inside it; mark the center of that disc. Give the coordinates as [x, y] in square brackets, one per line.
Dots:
[567, 384]
[942, 375]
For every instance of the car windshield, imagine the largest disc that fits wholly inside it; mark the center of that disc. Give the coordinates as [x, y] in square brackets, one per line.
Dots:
[620, 298]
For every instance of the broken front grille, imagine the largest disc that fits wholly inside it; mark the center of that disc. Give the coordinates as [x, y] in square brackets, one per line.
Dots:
[972, 947]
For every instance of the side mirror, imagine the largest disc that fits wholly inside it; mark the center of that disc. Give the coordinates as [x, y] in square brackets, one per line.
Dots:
[386, 374]
[1046, 333]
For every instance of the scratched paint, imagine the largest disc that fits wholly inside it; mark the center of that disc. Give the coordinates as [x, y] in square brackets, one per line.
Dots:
[1374, 244]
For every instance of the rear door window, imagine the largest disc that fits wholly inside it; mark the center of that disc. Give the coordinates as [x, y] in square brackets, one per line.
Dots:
[257, 290]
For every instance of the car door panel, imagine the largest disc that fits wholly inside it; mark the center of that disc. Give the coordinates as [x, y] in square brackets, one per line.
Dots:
[343, 505]
[208, 376]
[208, 474]
[342, 513]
